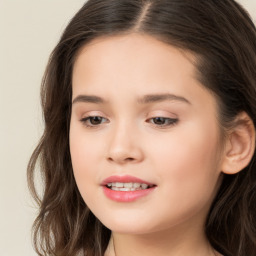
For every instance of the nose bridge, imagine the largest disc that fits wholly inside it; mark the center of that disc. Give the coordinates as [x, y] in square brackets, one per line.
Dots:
[124, 145]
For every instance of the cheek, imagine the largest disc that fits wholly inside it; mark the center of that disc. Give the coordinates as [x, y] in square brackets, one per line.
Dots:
[188, 162]
[84, 156]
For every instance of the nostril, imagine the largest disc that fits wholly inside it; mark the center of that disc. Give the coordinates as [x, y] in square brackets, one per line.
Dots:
[129, 159]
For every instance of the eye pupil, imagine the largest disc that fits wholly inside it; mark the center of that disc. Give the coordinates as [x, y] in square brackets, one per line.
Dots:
[95, 120]
[159, 120]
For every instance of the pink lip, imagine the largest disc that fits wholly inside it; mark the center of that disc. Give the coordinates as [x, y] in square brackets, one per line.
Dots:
[126, 196]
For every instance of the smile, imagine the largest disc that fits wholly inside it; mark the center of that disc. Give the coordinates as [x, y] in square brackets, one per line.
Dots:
[126, 188]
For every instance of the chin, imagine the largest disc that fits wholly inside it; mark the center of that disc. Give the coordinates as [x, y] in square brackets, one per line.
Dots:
[130, 225]
[130, 229]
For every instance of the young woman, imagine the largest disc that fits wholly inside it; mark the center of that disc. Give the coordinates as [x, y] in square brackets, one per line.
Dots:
[149, 141]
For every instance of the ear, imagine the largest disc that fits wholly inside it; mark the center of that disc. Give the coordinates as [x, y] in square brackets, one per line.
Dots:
[240, 145]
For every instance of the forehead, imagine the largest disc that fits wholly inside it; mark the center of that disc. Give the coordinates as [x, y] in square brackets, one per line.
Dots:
[134, 55]
[135, 65]
[133, 49]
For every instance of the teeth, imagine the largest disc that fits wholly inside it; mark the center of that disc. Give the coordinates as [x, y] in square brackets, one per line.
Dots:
[144, 186]
[124, 189]
[130, 186]
[119, 184]
[136, 185]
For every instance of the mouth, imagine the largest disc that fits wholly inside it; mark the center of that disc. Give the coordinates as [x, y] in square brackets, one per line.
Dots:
[126, 188]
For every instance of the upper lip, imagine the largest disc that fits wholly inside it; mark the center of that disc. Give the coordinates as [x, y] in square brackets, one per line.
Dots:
[125, 179]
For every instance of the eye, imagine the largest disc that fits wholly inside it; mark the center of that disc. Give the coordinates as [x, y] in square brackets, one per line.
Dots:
[93, 121]
[163, 121]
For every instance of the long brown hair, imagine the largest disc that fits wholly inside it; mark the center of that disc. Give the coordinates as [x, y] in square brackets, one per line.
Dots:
[222, 36]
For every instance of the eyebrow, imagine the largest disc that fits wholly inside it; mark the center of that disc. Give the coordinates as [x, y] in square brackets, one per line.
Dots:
[146, 99]
[151, 98]
[88, 98]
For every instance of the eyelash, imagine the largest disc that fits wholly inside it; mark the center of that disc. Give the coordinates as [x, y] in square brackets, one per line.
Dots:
[170, 121]
[89, 118]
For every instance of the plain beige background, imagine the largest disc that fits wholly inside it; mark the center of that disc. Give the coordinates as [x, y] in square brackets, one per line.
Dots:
[29, 30]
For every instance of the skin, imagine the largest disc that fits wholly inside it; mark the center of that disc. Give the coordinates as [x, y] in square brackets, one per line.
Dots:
[182, 159]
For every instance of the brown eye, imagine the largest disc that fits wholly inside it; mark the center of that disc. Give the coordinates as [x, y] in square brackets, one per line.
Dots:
[95, 120]
[163, 121]
[92, 121]
[159, 120]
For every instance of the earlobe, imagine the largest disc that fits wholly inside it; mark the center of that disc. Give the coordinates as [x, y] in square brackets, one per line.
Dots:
[240, 145]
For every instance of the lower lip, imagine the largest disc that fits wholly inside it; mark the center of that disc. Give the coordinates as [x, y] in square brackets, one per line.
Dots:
[126, 196]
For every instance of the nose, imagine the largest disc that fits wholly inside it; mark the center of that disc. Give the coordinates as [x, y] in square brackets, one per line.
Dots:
[124, 146]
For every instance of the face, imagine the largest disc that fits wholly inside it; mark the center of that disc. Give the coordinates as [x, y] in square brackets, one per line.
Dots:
[140, 116]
